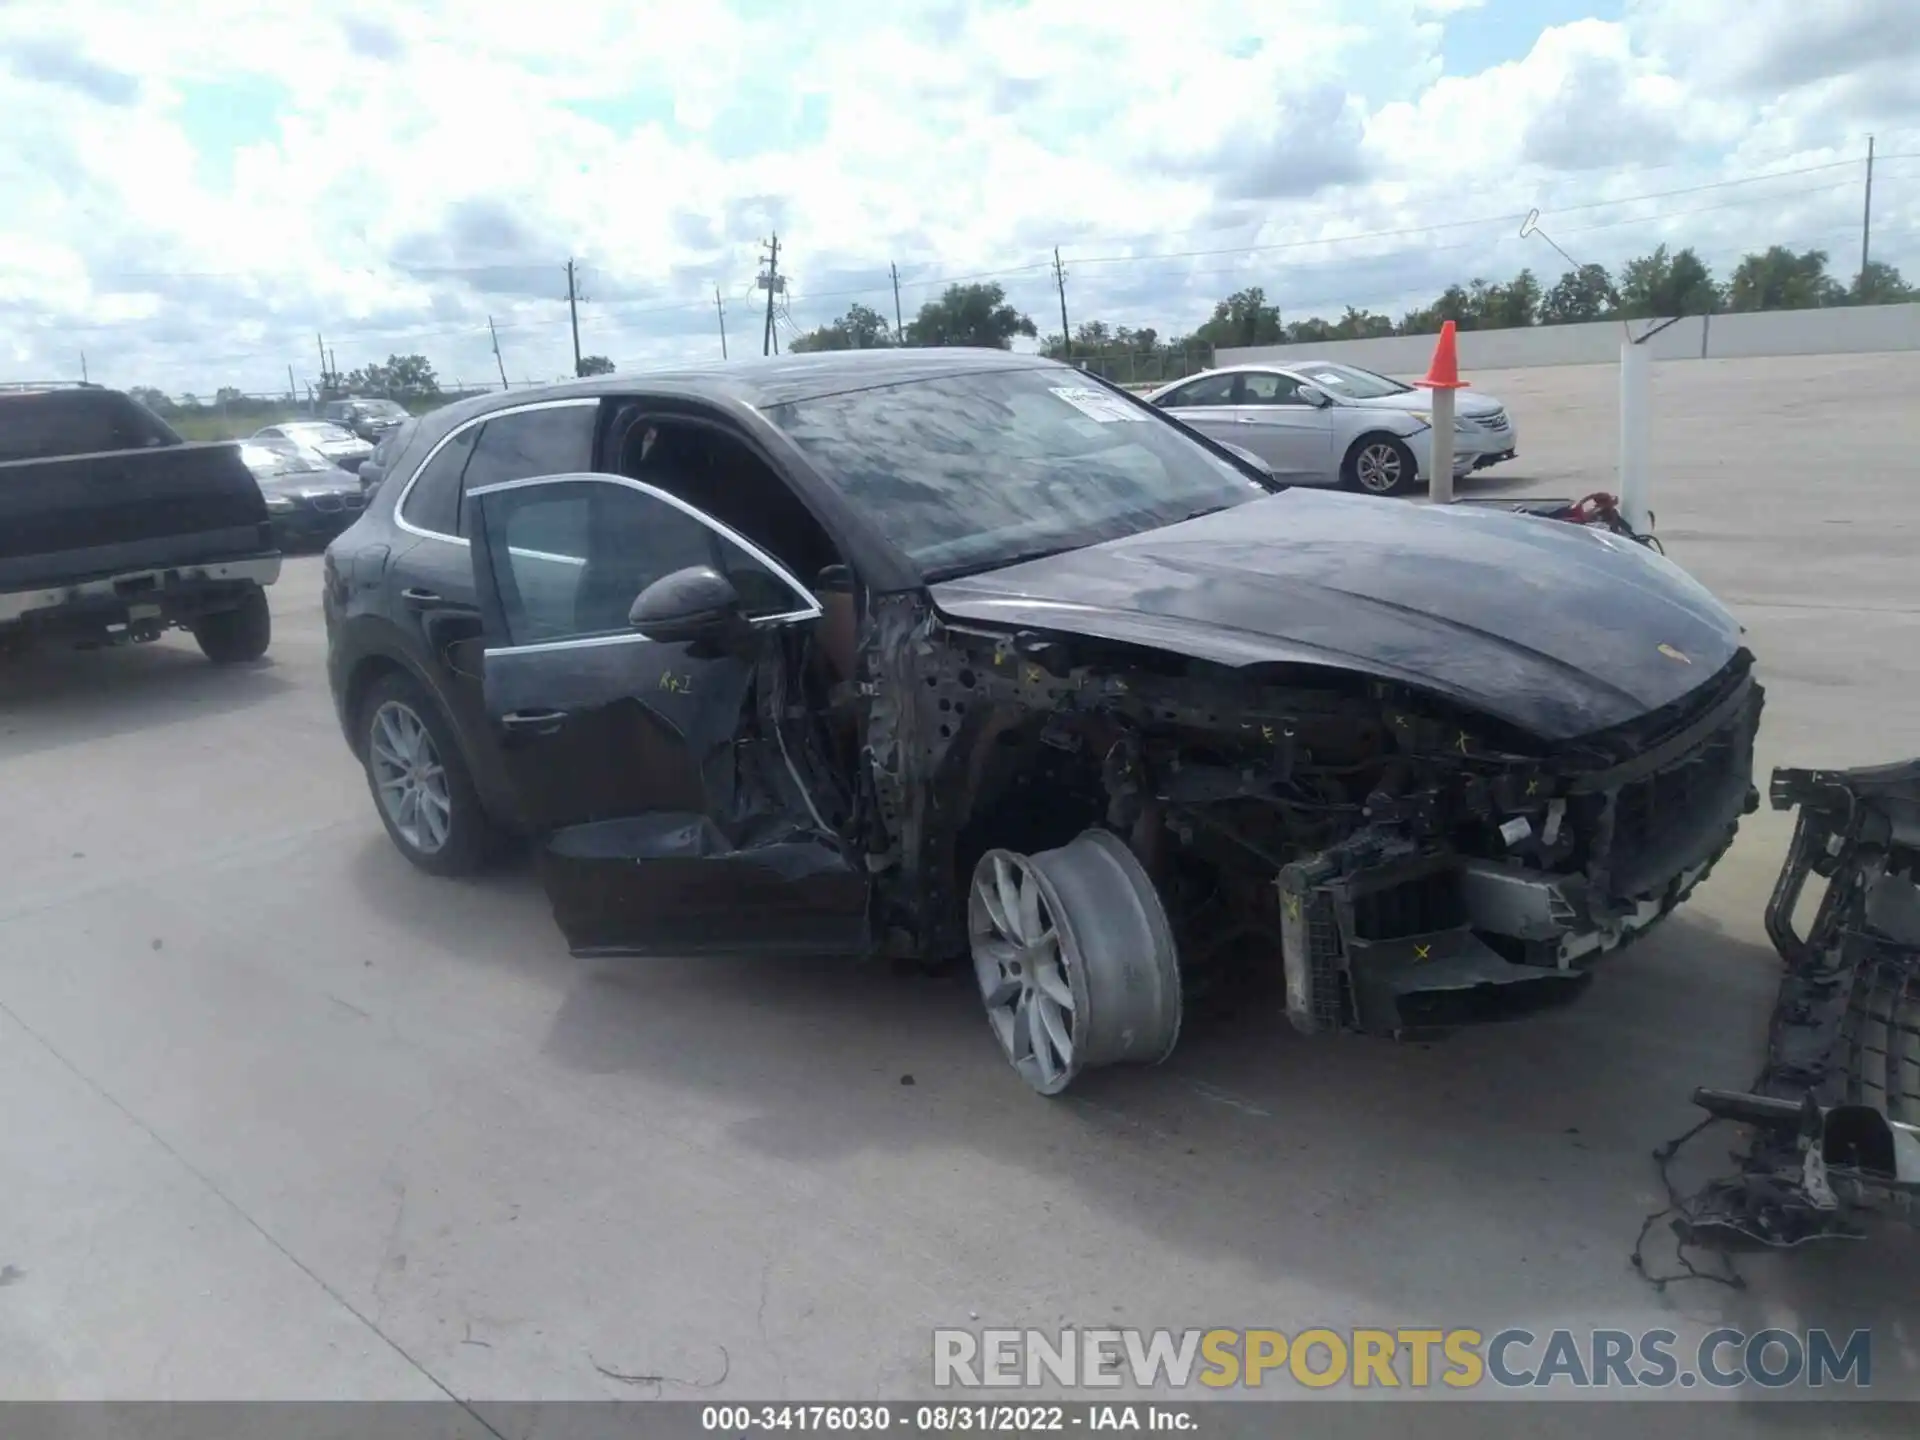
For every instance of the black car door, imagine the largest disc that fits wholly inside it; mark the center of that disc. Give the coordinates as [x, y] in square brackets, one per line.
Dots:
[670, 820]
[433, 584]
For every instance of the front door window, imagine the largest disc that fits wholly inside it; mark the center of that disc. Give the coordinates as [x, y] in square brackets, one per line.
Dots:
[570, 556]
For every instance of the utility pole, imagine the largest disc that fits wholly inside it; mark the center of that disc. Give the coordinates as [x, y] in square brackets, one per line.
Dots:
[494, 335]
[899, 330]
[320, 343]
[573, 312]
[720, 309]
[83, 367]
[1060, 281]
[774, 283]
[333, 364]
[1866, 218]
[293, 389]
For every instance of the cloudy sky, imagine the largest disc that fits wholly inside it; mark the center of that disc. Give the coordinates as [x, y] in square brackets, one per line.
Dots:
[191, 189]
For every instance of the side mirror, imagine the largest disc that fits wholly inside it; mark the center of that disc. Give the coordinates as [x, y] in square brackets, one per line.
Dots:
[697, 604]
[1315, 397]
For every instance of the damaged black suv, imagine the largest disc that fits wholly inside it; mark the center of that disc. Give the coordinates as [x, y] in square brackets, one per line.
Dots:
[965, 655]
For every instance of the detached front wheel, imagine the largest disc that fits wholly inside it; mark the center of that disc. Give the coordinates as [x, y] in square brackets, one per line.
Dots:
[239, 635]
[1075, 959]
[1380, 465]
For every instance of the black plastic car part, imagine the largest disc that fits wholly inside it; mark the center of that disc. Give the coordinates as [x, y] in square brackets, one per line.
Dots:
[1834, 1116]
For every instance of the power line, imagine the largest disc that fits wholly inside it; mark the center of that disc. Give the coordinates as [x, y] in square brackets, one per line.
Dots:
[573, 313]
[1866, 214]
[1037, 268]
[1505, 185]
[1033, 271]
[1060, 284]
[498, 360]
[774, 283]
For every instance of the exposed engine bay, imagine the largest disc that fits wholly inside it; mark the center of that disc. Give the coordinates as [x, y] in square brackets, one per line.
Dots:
[1389, 850]
[1403, 863]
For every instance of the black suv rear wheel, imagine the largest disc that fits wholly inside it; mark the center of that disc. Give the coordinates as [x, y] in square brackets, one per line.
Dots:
[421, 785]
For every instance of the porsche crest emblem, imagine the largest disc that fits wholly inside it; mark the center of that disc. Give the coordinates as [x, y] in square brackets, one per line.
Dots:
[1673, 654]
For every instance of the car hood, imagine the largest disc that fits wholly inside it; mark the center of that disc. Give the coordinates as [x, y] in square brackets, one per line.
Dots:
[330, 481]
[1465, 402]
[1559, 629]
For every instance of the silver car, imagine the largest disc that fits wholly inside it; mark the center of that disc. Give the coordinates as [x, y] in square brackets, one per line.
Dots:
[320, 440]
[1324, 423]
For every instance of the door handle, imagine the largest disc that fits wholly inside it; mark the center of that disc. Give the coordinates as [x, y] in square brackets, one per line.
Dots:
[419, 599]
[533, 722]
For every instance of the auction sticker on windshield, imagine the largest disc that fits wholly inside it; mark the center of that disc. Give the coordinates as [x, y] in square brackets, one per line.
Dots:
[1097, 404]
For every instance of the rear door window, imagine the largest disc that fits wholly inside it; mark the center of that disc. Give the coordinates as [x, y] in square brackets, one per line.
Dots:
[553, 440]
[432, 503]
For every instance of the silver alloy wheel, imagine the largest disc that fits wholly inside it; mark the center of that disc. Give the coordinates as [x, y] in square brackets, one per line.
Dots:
[1378, 467]
[1075, 959]
[409, 778]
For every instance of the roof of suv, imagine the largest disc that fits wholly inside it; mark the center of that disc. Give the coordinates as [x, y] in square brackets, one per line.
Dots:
[766, 381]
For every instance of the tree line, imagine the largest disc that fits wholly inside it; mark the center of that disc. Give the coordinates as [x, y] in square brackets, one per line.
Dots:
[409, 379]
[1665, 282]
[1662, 283]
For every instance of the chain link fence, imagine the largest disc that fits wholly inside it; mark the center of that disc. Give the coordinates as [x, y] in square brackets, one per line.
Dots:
[1144, 369]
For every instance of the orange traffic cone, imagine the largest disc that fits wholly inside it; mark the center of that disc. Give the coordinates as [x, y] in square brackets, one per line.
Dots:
[1443, 372]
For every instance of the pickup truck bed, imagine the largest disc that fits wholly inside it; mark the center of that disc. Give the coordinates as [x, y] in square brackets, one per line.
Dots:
[105, 546]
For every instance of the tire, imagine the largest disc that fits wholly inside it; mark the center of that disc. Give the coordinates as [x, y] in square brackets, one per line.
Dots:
[446, 831]
[1076, 963]
[239, 635]
[1379, 465]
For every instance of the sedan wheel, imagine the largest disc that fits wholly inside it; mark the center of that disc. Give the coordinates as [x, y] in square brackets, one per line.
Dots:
[1381, 465]
[1075, 960]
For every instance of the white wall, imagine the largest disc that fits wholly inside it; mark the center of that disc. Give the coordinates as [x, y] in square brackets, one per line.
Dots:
[1842, 330]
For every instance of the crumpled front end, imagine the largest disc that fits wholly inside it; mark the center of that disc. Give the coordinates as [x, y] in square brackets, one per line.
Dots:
[1401, 863]
[1390, 932]
[1835, 1113]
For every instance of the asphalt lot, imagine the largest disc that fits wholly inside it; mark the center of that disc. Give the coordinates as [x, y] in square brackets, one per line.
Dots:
[288, 1120]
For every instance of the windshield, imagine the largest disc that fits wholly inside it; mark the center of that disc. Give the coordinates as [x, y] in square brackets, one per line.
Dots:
[974, 471]
[1350, 383]
[319, 434]
[264, 460]
[380, 409]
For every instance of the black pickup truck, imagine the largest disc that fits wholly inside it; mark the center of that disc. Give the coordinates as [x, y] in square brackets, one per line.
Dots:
[113, 529]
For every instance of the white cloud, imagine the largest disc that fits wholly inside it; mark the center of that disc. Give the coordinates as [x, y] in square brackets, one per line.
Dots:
[193, 190]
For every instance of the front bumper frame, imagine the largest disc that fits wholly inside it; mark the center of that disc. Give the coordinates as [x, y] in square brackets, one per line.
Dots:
[1391, 936]
[1835, 1112]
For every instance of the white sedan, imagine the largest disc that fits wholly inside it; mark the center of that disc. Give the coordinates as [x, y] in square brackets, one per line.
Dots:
[1324, 423]
[319, 440]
